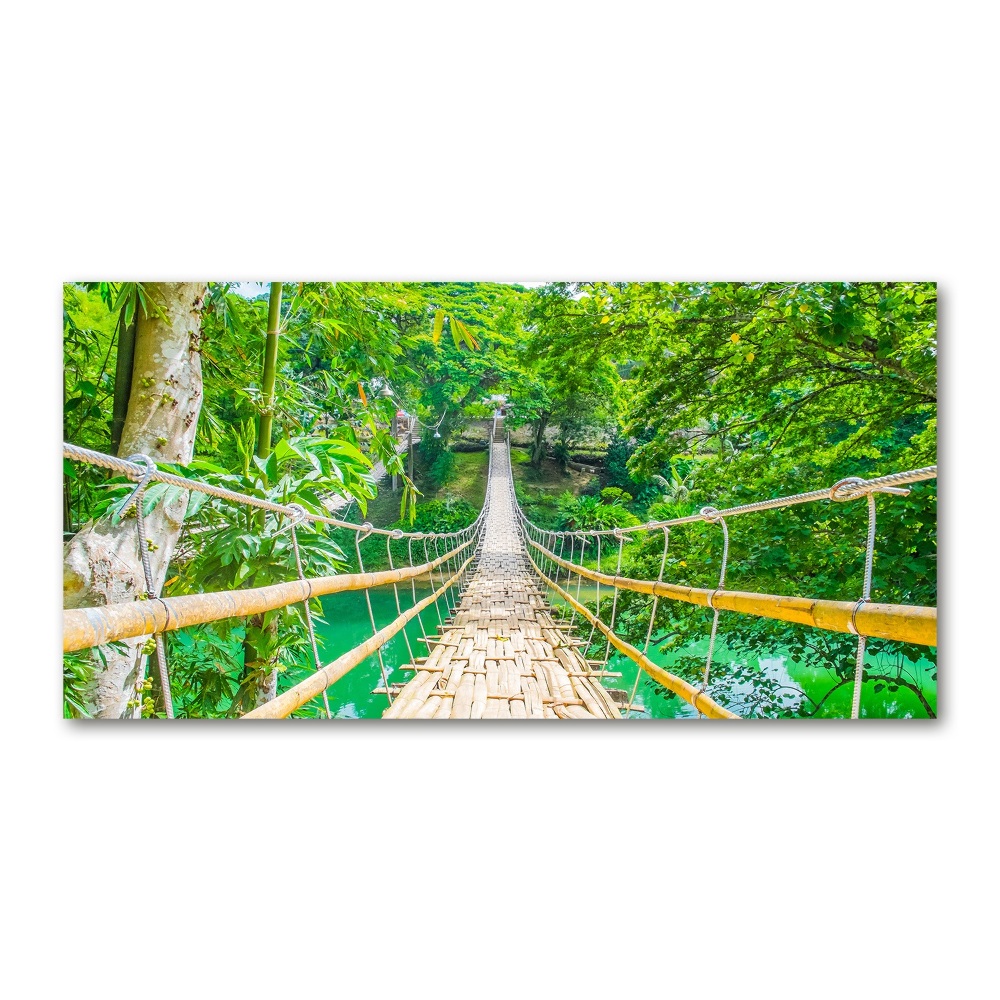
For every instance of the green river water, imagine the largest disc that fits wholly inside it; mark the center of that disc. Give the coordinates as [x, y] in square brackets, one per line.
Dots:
[347, 624]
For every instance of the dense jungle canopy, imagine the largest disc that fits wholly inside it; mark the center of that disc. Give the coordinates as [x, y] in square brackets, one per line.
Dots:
[679, 395]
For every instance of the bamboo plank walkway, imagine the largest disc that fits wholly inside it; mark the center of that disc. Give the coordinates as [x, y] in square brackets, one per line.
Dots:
[503, 656]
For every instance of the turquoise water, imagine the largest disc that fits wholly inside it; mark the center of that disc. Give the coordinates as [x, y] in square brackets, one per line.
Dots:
[774, 662]
[347, 624]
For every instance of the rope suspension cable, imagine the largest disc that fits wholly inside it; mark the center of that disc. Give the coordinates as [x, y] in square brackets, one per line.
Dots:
[135, 471]
[855, 489]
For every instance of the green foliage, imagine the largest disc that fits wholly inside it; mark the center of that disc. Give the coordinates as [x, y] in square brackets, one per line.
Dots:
[614, 495]
[540, 506]
[561, 454]
[589, 512]
[451, 514]
[441, 469]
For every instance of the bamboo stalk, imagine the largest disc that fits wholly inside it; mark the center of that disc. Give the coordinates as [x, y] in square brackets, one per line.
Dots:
[85, 627]
[317, 683]
[902, 622]
[270, 371]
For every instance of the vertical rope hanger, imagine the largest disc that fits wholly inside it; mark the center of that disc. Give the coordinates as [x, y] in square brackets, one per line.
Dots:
[396, 536]
[597, 613]
[710, 514]
[837, 493]
[305, 604]
[147, 570]
[358, 538]
[652, 618]
[437, 609]
[614, 604]
[413, 589]
[572, 549]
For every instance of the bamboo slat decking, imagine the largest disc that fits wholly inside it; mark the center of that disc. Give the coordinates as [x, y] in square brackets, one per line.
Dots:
[503, 656]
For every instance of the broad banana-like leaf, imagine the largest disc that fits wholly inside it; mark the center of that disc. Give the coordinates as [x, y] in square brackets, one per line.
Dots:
[438, 326]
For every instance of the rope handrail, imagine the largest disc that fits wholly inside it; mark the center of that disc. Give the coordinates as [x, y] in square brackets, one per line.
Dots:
[137, 471]
[96, 626]
[843, 490]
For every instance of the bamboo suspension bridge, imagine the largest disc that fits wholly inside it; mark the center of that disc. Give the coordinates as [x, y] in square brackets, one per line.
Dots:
[500, 649]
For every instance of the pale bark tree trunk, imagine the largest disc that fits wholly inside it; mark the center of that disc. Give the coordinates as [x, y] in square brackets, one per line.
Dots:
[102, 561]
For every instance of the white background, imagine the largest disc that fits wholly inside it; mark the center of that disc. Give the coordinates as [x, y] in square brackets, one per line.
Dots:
[519, 142]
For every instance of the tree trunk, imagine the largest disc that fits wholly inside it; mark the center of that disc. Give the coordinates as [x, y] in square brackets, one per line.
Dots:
[539, 449]
[102, 561]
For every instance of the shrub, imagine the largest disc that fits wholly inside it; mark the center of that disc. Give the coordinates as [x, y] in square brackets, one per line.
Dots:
[441, 469]
[614, 495]
[450, 514]
[561, 454]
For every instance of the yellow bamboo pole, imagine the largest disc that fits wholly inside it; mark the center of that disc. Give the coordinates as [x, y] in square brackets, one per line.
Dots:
[85, 627]
[701, 701]
[903, 622]
[283, 706]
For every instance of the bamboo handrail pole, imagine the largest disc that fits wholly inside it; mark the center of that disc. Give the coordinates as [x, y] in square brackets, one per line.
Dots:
[901, 622]
[282, 706]
[701, 701]
[86, 627]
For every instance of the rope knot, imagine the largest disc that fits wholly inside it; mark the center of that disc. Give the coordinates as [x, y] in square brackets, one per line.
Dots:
[143, 479]
[847, 489]
[300, 513]
[710, 514]
[397, 534]
[853, 487]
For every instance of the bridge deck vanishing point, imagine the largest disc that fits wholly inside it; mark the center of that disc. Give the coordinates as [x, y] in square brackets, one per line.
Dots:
[503, 656]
